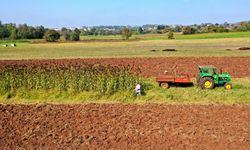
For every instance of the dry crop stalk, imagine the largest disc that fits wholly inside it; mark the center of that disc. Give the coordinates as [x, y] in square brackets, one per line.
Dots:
[78, 77]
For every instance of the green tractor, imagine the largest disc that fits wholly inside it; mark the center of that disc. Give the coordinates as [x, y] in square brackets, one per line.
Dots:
[209, 78]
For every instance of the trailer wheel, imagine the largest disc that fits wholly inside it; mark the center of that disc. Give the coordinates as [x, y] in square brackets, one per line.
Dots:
[165, 85]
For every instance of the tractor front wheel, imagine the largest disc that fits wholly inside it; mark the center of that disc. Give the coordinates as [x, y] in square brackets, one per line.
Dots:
[228, 86]
[207, 83]
[165, 85]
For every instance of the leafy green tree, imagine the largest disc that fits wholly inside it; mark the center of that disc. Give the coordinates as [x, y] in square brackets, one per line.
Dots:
[11, 29]
[188, 30]
[39, 32]
[244, 26]
[126, 33]
[51, 36]
[4, 33]
[171, 35]
[25, 32]
[74, 36]
[166, 30]
[160, 27]
[65, 33]
[222, 29]
[64, 29]
[13, 34]
[177, 28]
[93, 31]
[77, 31]
[140, 30]
[212, 28]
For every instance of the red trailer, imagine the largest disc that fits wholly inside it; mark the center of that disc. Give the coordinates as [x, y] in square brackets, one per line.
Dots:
[172, 79]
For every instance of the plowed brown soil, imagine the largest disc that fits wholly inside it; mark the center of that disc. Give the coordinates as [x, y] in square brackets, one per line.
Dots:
[117, 126]
[236, 66]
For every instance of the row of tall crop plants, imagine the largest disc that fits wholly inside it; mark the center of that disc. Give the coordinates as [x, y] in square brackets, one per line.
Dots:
[105, 80]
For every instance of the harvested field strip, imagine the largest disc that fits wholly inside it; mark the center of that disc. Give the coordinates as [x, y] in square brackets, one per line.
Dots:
[124, 127]
[236, 66]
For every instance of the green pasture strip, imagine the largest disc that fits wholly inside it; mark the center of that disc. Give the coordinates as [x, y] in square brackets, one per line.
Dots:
[14, 41]
[178, 36]
[215, 35]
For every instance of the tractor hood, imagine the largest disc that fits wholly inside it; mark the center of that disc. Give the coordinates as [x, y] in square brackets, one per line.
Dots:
[225, 75]
[224, 78]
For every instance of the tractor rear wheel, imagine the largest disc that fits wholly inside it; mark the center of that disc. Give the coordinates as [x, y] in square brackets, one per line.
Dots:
[228, 86]
[165, 85]
[207, 83]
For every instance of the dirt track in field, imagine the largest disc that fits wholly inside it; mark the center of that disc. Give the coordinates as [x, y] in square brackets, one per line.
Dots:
[236, 66]
[117, 126]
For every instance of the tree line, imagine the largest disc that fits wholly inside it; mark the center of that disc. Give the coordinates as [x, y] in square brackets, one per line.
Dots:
[217, 28]
[163, 29]
[24, 31]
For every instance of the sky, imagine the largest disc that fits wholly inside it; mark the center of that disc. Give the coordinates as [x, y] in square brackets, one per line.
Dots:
[78, 13]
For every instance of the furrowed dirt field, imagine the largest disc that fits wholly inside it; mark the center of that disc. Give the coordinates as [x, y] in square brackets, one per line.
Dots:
[117, 126]
[236, 66]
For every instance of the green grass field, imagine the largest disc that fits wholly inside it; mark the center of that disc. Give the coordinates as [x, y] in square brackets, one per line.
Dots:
[178, 36]
[154, 94]
[134, 48]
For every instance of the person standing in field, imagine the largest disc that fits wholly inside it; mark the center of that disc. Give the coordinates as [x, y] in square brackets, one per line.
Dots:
[138, 89]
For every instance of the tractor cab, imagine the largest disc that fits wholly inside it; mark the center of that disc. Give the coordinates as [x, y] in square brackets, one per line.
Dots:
[209, 78]
[208, 70]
